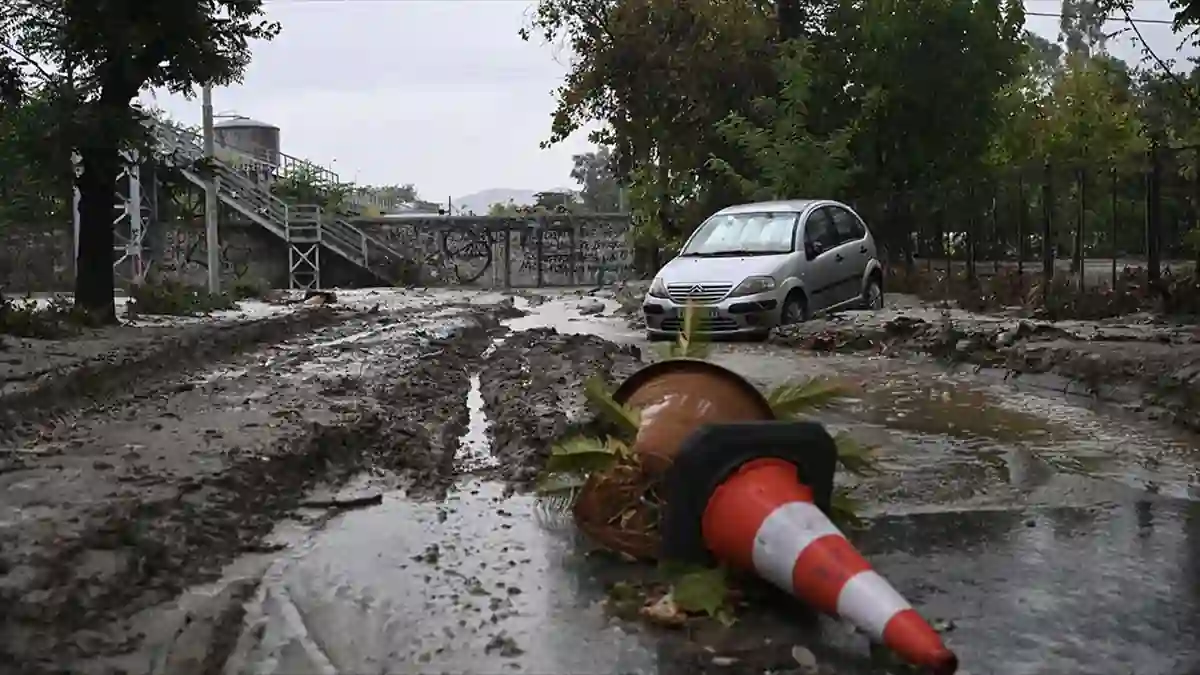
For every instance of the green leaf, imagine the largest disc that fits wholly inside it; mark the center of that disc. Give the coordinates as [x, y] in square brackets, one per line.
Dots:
[791, 400]
[855, 457]
[690, 344]
[844, 511]
[581, 455]
[624, 419]
[703, 591]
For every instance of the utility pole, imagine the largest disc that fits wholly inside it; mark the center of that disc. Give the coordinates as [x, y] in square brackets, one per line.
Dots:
[212, 238]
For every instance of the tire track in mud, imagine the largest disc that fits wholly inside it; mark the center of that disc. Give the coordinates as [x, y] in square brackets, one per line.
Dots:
[67, 598]
[532, 387]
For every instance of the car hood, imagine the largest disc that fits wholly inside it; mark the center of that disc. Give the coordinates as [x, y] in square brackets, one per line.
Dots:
[720, 270]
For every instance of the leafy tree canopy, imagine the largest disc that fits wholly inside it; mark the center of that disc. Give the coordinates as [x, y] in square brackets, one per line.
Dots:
[91, 59]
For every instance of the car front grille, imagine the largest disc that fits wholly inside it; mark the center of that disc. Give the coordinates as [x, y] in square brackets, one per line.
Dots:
[700, 294]
[713, 325]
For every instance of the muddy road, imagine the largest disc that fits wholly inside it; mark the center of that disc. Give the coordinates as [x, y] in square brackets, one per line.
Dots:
[195, 525]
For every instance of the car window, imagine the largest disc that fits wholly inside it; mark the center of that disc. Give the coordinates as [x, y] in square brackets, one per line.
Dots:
[845, 225]
[743, 233]
[819, 230]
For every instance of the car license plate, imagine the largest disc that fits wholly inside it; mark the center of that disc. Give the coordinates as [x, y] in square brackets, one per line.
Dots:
[701, 312]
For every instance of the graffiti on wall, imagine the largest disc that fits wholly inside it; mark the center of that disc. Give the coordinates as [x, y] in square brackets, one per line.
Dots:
[484, 252]
[185, 254]
[552, 253]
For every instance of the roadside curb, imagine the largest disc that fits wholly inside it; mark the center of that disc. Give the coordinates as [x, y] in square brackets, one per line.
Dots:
[70, 386]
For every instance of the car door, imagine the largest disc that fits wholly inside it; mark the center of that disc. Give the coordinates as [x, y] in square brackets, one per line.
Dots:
[851, 252]
[821, 272]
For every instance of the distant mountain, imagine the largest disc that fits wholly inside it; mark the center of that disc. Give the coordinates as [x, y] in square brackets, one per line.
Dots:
[479, 202]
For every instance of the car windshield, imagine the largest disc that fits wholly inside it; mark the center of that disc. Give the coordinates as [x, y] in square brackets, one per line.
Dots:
[743, 234]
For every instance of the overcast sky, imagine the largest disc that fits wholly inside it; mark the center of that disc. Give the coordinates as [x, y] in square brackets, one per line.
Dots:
[440, 93]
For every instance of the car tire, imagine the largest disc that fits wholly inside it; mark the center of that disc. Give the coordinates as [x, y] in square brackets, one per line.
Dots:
[873, 295]
[795, 309]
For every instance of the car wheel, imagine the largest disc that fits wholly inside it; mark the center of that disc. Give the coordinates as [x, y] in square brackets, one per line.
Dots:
[873, 296]
[795, 310]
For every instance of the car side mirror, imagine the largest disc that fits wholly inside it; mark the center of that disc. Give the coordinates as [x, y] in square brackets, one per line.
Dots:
[814, 249]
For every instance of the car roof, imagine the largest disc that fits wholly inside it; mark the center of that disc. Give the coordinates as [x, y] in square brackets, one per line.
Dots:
[783, 206]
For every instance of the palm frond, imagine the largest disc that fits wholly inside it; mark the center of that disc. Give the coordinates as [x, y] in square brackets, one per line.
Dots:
[844, 511]
[556, 495]
[791, 400]
[855, 457]
[691, 342]
[582, 455]
[625, 420]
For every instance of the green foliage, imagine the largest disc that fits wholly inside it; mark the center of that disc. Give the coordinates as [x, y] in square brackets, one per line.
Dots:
[172, 298]
[55, 320]
[790, 400]
[785, 159]
[92, 60]
[35, 172]
[246, 289]
[583, 455]
[691, 342]
[704, 591]
[309, 185]
[595, 172]
[509, 209]
[622, 419]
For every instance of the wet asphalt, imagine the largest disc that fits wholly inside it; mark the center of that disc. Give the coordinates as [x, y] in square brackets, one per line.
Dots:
[1043, 534]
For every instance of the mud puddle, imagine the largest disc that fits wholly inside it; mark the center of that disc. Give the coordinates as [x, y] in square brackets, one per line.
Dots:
[475, 445]
[954, 439]
[1021, 521]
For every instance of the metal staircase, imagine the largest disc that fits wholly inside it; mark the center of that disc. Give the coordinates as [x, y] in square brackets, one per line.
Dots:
[244, 184]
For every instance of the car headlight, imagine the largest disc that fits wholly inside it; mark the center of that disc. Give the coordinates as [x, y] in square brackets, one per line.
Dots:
[753, 286]
[657, 288]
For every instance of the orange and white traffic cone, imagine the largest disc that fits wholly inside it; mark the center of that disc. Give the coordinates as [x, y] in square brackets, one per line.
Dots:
[758, 516]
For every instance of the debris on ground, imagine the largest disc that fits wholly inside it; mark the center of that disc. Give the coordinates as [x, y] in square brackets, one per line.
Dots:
[1137, 362]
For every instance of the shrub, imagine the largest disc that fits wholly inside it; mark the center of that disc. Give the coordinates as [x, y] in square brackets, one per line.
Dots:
[172, 298]
[54, 320]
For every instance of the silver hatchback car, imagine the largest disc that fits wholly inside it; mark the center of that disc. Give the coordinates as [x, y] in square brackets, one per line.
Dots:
[752, 267]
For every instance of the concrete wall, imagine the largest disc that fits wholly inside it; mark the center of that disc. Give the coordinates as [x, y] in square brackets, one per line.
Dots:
[36, 258]
[39, 258]
[457, 253]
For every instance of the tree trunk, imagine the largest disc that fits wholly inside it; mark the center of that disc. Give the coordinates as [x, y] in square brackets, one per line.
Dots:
[790, 18]
[94, 264]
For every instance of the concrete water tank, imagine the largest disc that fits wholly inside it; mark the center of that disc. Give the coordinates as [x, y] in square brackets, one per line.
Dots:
[254, 138]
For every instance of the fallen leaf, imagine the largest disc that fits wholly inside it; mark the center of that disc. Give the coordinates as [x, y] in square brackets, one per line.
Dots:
[664, 612]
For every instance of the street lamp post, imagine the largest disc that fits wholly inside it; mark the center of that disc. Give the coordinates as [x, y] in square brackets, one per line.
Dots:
[211, 234]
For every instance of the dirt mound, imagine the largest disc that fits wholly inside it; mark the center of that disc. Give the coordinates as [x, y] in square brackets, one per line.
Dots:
[426, 411]
[532, 386]
[166, 517]
[45, 376]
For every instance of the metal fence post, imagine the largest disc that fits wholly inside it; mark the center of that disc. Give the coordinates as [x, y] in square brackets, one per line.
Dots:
[1153, 214]
[972, 230]
[538, 249]
[1047, 230]
[1021, 208]
[1077, 256]
[1116, 215]
[507, 255]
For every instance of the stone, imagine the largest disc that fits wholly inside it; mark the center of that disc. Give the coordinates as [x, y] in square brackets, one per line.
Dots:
[805, 660]
[590, 308]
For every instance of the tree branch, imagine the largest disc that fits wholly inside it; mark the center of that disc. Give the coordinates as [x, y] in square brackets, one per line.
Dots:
[27, 60]
[1187, 92]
